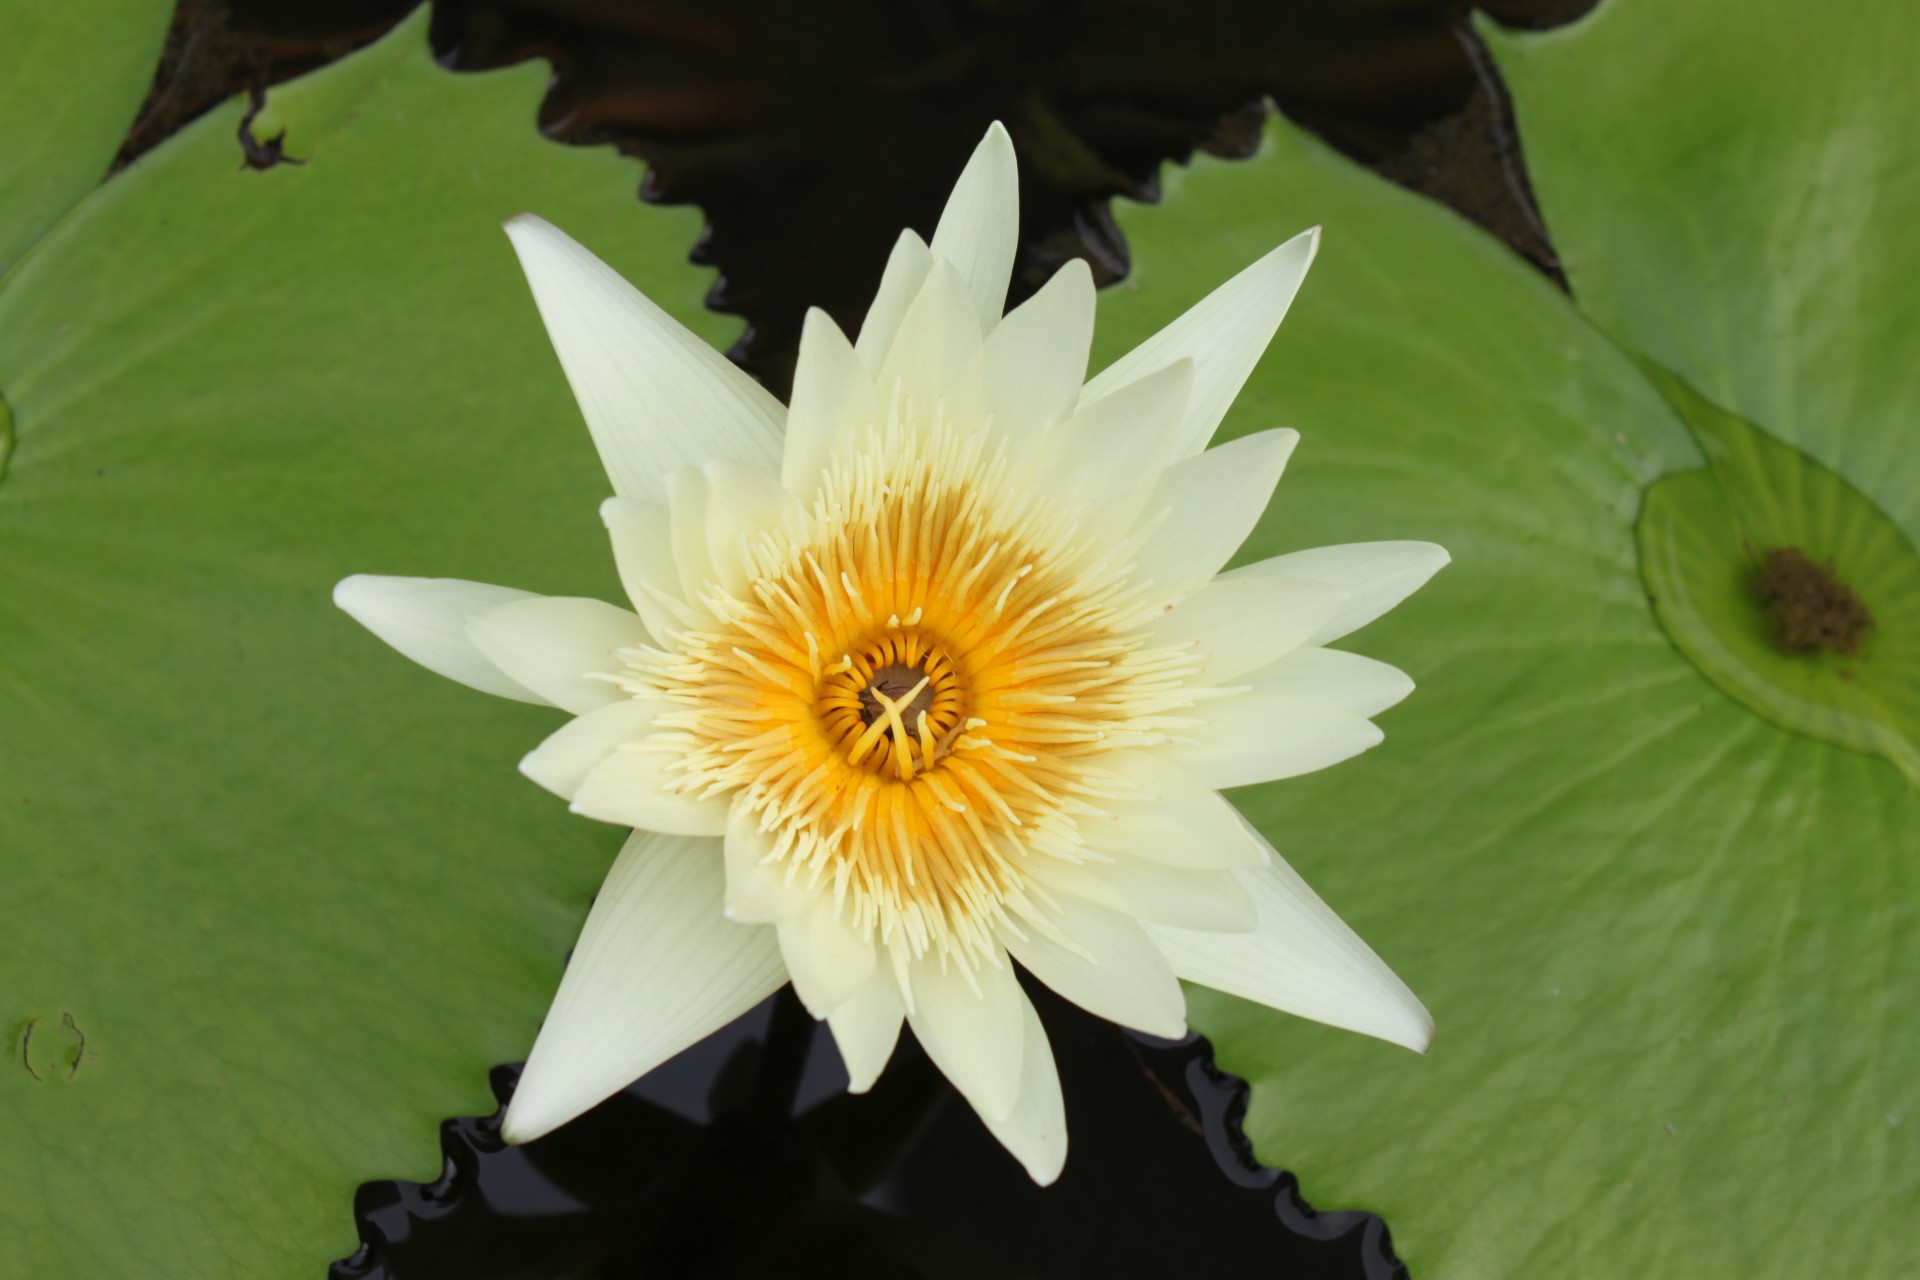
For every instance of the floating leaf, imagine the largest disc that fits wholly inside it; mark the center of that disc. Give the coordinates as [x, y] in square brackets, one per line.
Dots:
[275, 900]
[1666, 941]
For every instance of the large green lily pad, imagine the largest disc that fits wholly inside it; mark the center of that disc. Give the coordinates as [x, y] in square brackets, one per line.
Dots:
[274, 898]
[1670, 946]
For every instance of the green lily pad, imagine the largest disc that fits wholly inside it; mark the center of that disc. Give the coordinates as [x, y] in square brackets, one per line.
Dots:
[60, 138]
[1667, 942]
[274, 900]
[1786, 586]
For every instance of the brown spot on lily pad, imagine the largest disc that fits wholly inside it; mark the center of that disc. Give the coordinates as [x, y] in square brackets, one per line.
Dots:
[1812, 610]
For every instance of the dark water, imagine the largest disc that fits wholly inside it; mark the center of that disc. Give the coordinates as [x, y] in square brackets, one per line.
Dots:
[808, 134]
[744, 1157]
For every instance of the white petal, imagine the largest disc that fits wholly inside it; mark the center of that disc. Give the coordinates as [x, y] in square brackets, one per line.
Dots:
[641, 531]
[552, 644]
[1182, 896]
[832, 396]
[563, 761]
[1036, 357]
[829, 959]
[1207, 506]
[1374, 575]
[657, 968]
[1260, 736]
[1109, 448]
[426, 619]
[687, 516]
[1302, 959]
[979, 229]
[1223, 334]
[866, 1027]
[1361, 685]
[654, 395]
[635, 787]
[757, 890]
[1166, 815]
[742, 504]
[1035, 1131]
[1236, 625]
[1121, 976]
[973, 1037]
[936, 354]
[907, 269]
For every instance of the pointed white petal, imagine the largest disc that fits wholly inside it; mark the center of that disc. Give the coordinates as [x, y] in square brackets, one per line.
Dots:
[563, 761]
[1236, 625]
[1360, 685]
[1224, 335]
[907, 269]
[866, 1027]
[1207, 505]
[1302, 959]
[742, 504]
[758, 891]
[552, 644]
[657, 968]
[1374, 575]
[1036, 357]
[641, 531]
[829, 959]
[936, 354]
[687, 517]
[1259, 736]
[1167, 815]
[979, 229]
[1182, 896]
[635, 787]
[973, 1037]
[1121, 976]
[426, 619]
[1035, 1131]
[1111, 447]
[832, 397]
[654, 395]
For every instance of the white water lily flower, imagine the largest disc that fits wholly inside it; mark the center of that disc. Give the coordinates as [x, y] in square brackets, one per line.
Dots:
[931, 672]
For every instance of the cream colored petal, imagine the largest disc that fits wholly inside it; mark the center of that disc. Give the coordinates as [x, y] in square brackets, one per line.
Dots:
[758, 891]
[1105, 451]
[907, 269]
[866, 1027]
[1374, 575]
[553, 644]
[654, 395]
[742, 504]
[1360, 685]
[936, 355]
[641, 531]
[1035, 1131]
[1302, 959]
[563, 761]
[1234, 626]
[1164, 814]
[832, 397]
[979, 229]
[974, 1037]
[1207, 505]
[1223, 334]
[1106, 964]
[656, 969]
[1036, 358]
[829, 959]
[1180, 896]
[1259, 736]
[426, 620]
[637, 788]
[687, 517]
